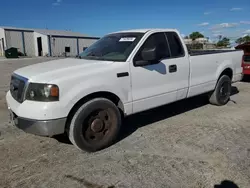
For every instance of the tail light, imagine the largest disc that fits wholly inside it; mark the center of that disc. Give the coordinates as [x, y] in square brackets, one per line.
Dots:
[246, 62]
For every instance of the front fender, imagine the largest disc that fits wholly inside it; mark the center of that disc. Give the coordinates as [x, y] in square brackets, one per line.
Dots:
[81, 90]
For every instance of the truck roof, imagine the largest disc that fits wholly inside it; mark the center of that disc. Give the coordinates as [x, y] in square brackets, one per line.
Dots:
[145, 30]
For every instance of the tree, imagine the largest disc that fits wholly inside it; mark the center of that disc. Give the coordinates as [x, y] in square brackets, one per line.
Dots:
[239, 40]
[224, 42]
[196, 35]
[246, 38]
[243, 39]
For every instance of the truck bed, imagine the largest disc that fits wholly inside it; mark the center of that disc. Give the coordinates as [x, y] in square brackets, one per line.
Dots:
[206, 52]
[204, 70]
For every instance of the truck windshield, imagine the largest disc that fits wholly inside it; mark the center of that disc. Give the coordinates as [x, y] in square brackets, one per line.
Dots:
[113, 47]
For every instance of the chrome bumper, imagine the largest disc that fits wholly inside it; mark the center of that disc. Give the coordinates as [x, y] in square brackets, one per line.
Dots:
[39, 127]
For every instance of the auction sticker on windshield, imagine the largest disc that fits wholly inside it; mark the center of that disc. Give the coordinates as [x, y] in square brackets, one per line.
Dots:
[127, 39]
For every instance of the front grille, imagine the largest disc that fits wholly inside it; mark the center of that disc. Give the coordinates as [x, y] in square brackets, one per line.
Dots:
[17, 86]
[246, 59]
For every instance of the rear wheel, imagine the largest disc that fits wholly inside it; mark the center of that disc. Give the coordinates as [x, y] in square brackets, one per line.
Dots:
[246, 78]
[95, 125]
[222, 92]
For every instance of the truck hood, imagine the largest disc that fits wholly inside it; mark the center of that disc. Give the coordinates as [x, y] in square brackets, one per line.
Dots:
[52, 70]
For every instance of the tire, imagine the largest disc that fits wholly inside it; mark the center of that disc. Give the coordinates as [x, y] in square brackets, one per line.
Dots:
[222, 92]
[95, 125]
[245, 78]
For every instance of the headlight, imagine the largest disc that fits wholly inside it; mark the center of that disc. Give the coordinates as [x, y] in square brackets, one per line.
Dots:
[42, 92]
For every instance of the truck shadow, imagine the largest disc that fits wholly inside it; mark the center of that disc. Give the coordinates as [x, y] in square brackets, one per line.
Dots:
[134, 122]
[160, 68]
[226, 184]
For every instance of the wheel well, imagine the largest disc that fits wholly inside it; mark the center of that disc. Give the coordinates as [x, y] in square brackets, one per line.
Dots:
[103, 94]
[228, 72]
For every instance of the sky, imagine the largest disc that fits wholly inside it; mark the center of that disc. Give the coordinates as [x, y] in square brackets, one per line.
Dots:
[229, 18]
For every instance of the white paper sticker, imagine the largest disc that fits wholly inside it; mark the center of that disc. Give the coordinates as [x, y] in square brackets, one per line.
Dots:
[127, 39]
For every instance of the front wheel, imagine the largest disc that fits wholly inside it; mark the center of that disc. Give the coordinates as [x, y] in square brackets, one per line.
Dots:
[222, 92]
[95, 125]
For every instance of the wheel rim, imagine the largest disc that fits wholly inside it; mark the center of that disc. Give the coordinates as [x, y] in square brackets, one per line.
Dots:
[224, 93]
[99, 125]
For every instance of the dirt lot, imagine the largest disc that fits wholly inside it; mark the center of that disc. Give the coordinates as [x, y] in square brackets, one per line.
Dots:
[198, 146]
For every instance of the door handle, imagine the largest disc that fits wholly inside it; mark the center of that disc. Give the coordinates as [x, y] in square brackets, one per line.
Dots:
[122, 74]
[172, 68]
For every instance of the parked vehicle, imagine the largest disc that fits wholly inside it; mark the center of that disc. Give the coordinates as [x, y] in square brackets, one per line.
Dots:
[121, 74]
[245, 57]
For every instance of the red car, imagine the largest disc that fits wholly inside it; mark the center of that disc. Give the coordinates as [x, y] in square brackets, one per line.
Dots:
[246, 57]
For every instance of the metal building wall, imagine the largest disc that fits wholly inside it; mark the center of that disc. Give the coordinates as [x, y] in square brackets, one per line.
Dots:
[29, 43]
[45, 43]
[2, 41]
[58, 45]
[14, 39]
[85, 43]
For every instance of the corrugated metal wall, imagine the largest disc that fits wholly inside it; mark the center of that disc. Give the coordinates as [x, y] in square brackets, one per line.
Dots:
[29, 43]
[1, 48]
[14, 39]
[85, 43]
[58, 45]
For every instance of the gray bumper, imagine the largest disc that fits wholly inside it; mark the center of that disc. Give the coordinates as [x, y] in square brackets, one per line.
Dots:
[38, 127]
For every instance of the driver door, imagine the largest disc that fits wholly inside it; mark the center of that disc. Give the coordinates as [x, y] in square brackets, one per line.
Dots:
[153, 84]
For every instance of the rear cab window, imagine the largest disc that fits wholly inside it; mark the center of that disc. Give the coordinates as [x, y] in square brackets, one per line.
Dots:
[175, 45]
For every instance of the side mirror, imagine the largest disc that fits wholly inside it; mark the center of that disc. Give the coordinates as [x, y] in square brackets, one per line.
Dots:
[149, 54]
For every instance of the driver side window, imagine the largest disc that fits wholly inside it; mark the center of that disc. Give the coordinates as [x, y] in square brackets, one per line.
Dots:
[155, 40]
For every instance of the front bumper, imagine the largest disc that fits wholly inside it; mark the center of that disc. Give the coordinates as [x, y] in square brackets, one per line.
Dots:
[38, 127]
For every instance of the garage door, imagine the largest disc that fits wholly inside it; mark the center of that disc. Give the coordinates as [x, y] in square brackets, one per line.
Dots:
[59, 44]
[14, 39]
[29, 43]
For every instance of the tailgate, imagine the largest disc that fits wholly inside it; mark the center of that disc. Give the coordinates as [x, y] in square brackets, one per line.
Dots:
[237, 61]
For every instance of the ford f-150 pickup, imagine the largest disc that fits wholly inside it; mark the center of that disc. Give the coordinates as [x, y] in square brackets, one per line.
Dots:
[121, 74]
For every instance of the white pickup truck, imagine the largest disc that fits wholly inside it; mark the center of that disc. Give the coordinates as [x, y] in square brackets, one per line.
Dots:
[121, 74]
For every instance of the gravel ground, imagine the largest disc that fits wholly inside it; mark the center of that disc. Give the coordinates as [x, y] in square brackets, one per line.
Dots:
[186, 144]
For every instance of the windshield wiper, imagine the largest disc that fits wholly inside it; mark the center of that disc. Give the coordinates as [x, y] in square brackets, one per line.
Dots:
[92, 57]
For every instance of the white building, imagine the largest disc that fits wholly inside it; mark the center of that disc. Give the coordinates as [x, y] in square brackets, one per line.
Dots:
[198, 40]
[188, 41]
[201, 40]
[44, 42]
